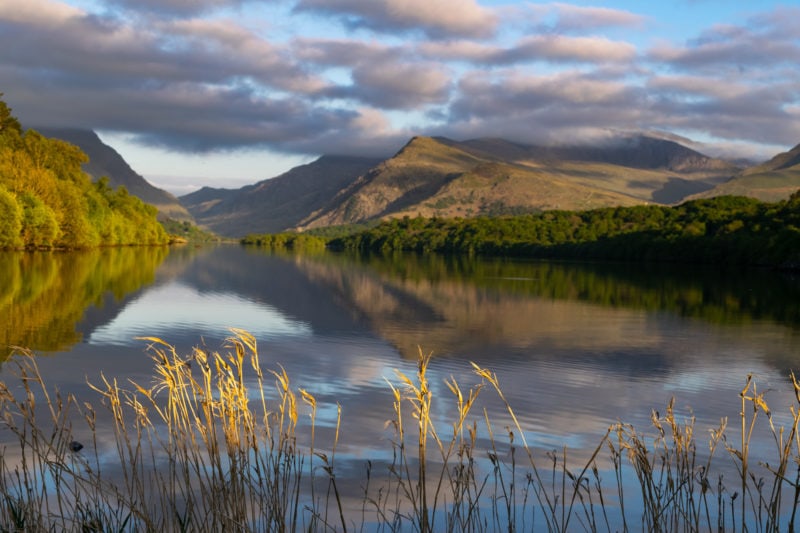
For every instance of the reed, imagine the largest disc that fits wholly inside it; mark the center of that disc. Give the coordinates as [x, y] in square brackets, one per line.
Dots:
[217, 443]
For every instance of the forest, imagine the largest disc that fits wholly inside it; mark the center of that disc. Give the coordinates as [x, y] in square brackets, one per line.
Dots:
[48, 202]
[728, 230]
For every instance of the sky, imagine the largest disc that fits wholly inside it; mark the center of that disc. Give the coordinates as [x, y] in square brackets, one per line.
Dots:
[229, 92]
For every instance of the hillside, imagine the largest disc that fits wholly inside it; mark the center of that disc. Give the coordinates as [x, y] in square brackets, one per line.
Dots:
[275, 204]
[442, 177]
[771, 181]
[435, 176]
[105, 161]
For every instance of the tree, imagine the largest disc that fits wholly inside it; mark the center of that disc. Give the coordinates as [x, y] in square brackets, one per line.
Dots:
[8, 123]
[39, 225]
[10, 220]
[48, 201]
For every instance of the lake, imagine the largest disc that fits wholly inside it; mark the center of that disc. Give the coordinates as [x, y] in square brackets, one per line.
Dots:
[575, 347]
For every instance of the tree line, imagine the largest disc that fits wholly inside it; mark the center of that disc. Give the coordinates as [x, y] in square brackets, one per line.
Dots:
[724, 230]
[286, 241]
[47, 201]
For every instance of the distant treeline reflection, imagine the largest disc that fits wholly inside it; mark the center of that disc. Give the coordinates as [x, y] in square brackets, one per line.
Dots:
[716, 295]
[723, 297]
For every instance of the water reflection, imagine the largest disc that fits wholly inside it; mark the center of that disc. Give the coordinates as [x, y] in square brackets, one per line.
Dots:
[475, 307]
[575, 347]
[45, 296]
[177, 306]
[639, 320]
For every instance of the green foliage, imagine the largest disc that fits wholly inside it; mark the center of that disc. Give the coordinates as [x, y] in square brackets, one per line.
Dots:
[185, 231]
[48, 201]
[286, 241]
[40, 227]
[334, 232]
[724, 230]
[9, 125]
[10, 219]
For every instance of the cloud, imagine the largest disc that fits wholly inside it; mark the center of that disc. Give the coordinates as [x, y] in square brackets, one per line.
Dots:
[435, 18]
[563, 48]
[400, 86]
[547, 48]
[220, 75]
[366, 132]
[758, 114]
[733, 81]
[765, 41]
[693, 88]
[45, 13]
[342, 52]
[573, 18]
[178, 7]
[379, 76]
[564, 107]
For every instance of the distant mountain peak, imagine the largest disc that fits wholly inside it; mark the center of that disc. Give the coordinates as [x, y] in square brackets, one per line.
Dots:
[783, 160]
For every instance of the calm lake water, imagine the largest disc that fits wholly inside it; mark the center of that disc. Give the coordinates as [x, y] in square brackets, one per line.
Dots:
[576, 347]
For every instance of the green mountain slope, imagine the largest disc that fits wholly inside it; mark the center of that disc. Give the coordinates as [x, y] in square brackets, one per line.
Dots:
[105, 161]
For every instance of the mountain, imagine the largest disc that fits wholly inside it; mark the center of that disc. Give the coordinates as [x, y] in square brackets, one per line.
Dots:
[634, 151]
[436, 176]
[105, 161]
[279, 203]
[770, 182]
[442, 177]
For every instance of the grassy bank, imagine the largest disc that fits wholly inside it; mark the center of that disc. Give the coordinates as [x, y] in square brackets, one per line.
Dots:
[216, 442]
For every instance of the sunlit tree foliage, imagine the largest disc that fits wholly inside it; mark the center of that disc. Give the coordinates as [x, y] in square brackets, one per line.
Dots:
[723, 230]
[47, 201]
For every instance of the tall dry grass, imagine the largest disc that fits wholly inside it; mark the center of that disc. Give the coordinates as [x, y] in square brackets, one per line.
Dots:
[216, 443]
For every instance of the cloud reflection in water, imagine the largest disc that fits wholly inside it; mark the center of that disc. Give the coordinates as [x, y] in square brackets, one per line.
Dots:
[162, 311]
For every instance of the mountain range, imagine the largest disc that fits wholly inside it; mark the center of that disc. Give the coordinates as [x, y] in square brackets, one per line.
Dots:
[437, 176]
